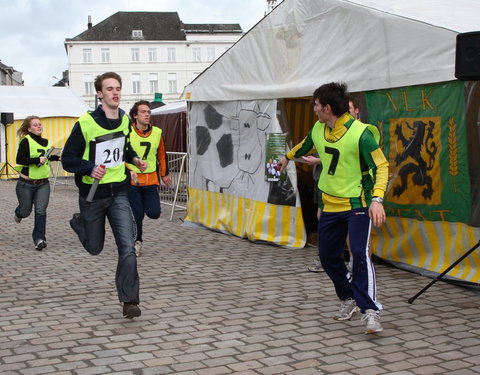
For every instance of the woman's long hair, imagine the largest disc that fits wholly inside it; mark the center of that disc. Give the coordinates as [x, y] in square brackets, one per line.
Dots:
[23, 130]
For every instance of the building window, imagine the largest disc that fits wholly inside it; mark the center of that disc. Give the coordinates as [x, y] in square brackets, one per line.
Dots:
[210, 54]
[196, 54]
[88, 84]
[136, 83]
[153, 80]
[171, 54]
[137, 34]
[152, 55]
[105, 55]
[87, 55]
[172, 83]
[135, 54]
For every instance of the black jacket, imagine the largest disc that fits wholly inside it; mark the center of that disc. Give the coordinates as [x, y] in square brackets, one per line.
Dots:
[73, 152]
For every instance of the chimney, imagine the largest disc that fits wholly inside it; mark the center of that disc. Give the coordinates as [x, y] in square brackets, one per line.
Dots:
[89, 24]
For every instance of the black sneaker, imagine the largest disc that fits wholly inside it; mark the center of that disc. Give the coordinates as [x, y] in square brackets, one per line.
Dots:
[131, 310]
[76, 223]
[40, 245]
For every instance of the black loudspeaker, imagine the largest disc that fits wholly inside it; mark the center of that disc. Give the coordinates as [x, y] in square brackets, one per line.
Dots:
[6, 118]
[467, 57]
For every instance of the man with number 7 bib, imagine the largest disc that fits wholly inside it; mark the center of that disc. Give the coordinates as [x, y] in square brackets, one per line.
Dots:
[97, 149]
[351, 186]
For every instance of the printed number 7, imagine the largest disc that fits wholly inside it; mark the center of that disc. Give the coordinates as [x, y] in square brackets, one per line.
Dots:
[147, 146]
[335, 155]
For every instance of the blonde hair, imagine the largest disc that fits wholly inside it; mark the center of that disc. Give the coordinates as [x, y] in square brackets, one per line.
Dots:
[23, 130]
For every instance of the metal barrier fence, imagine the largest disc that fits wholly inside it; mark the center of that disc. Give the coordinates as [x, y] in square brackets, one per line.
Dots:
[177, 195]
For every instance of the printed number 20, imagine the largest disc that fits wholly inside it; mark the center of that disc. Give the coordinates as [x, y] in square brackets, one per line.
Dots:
[335, 155]
[115, 155]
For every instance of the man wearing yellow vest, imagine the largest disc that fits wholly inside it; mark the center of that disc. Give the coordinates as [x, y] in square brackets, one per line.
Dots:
[352, 185]
[96, 152]
[143, 193]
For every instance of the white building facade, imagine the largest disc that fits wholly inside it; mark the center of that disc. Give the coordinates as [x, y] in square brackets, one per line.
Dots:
[9, 76]
[154, 53]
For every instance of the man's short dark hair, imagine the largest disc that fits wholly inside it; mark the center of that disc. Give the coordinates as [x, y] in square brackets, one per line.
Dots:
[335, 94]
[134, 110]
[100, 78]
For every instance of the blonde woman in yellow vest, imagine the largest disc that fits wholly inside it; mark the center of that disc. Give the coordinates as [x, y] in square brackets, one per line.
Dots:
[352, 185]
[33, 187]
[144, 190]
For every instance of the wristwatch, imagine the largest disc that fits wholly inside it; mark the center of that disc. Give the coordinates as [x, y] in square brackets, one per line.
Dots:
[377, 199]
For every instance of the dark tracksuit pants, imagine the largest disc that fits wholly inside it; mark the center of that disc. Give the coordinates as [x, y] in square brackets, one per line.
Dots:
[333, 228]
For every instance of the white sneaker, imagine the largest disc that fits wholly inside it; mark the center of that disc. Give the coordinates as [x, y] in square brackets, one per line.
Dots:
[40, 245]
[373, 321]
[348, 307]
[138, 248]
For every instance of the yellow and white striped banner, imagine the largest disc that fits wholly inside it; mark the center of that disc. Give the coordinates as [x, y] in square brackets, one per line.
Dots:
[430, 245]
[246, 218]
[56, 129]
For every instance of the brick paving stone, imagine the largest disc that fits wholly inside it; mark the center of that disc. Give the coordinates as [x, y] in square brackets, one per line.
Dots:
[220, 361]
[309, 371]
[428, 370]
[214, 371]
[157, 370]
[211, 303]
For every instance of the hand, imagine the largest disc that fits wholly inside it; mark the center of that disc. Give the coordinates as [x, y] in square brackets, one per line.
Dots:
[167, 181]
[42, 160]
[133, 176]
[140, 164]
[283, 163]
[377, 214]
[311, 160]
[98, 172]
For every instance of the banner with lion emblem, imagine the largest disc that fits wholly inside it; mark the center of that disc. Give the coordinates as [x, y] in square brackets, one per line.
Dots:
[424, 138]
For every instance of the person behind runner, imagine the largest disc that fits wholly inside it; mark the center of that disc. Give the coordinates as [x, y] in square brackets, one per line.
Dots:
[143, 192]
[33, 187]
[97, 149]
[352, 185]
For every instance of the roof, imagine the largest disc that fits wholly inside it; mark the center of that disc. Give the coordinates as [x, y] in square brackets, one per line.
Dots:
[213, 28]
[154, 26]
[174, 107]
[368, 44]
[6, 68]
[43, 102]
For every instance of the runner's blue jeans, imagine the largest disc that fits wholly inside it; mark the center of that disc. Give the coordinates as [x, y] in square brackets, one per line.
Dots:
[37, 196]
[90, 229]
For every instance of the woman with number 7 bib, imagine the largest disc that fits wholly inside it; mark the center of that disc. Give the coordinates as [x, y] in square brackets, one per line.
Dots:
[33, 187]
[97, 150]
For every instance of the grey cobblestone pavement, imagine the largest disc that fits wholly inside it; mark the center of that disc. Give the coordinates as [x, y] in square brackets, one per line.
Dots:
[211, 304]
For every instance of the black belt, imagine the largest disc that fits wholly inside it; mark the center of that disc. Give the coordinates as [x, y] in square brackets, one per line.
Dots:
[33, 182]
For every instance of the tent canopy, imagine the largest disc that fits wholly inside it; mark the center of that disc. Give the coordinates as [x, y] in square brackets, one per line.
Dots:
[174, 107]
[297, 47]
[40, 101]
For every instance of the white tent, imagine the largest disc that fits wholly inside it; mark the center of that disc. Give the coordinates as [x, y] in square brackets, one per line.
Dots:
[285, 54]
[57, 107]
[173, 107]
[43, 102]
[399, 58]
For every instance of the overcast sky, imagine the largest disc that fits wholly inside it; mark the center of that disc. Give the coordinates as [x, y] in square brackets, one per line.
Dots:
[32, 32]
